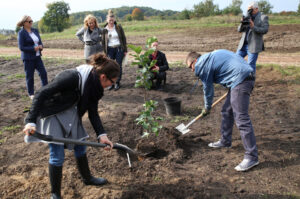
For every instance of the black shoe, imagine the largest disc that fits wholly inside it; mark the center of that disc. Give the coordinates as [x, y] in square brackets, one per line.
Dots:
[84, 170]
[117, 86]
[111, 87]
[55, 175]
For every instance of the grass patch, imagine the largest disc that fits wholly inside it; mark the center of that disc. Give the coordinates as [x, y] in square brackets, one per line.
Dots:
[178, 119]
[177, 64]
[7, 91]
[156, 27]
[9, 58]
[11, 128]
[286, 71]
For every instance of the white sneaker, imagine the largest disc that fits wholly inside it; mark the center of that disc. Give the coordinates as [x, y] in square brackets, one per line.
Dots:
[31, 97]
[246, 164]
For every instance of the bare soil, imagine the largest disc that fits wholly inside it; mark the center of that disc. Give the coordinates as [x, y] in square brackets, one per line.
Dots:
[176, 166]
[280, 38]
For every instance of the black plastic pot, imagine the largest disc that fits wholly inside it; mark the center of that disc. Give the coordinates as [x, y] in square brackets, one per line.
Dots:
[173, 106]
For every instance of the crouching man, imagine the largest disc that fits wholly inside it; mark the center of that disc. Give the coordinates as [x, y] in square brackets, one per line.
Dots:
[232, 71]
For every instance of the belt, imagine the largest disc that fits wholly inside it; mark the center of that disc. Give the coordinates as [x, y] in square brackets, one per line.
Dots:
[250, 77]
[116, 46]
[90, 44]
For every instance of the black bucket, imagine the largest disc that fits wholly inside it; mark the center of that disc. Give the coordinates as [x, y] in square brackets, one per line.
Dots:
[173, 105]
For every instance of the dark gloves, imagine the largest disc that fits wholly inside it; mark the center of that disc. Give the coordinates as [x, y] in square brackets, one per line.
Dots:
[205, 112]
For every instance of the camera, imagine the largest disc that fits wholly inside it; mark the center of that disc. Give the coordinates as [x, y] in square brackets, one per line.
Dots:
[246, 19]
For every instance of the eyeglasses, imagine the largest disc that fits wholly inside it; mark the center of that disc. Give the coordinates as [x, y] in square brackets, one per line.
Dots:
[110, 80]
[190, 66]
[29, 21]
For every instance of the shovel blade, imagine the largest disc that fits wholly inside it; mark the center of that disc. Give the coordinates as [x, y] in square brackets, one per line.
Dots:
[182, 128]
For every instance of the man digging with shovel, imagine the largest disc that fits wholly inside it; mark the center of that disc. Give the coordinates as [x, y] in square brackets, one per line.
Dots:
[232, 71]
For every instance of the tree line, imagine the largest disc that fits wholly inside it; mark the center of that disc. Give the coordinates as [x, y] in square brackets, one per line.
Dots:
[57, 17]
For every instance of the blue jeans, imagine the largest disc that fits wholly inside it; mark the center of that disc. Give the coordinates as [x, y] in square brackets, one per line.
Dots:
[118, 55]
[29, 67]
[235, 109]
[57, 153]
[252, 57]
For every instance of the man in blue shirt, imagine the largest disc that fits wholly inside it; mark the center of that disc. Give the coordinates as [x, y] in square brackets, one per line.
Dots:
[232, 71]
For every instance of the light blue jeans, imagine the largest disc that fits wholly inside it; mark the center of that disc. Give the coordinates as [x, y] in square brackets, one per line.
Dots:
[252, 57]
[57, 153]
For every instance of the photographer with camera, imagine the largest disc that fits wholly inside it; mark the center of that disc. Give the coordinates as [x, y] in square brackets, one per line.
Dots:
[253, 26]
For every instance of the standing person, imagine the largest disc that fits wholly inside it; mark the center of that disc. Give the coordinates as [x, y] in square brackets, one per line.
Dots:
[161, 66]
[90, 35]
[252, 42]
[230, 70]
[114, 43]
[57, 110]
[31, 47]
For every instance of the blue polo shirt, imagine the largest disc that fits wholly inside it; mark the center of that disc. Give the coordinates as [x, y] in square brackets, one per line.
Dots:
[221, 67]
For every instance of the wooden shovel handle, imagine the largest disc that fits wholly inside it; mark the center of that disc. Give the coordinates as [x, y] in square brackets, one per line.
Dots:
[214, 104]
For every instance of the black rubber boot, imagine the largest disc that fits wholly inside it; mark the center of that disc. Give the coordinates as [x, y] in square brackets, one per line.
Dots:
[55, 175]
[84, 170]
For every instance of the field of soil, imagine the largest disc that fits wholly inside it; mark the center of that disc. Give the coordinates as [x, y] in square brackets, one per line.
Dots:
[176, 166]
[280, 38]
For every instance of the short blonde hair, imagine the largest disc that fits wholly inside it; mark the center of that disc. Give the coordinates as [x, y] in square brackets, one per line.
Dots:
[89, 18]
[22, 21]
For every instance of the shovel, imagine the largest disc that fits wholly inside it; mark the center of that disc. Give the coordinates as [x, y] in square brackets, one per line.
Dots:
[184, 128]
[120, 147]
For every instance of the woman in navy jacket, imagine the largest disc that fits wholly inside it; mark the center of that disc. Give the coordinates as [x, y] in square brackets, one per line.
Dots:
[31, 45]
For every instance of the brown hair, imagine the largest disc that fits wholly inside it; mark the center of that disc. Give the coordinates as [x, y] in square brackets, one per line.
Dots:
[87, 19]
[22, 21]
[103, 65]
[192, 56]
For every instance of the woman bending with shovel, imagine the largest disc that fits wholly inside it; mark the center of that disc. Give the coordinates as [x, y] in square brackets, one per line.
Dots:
[57, 110]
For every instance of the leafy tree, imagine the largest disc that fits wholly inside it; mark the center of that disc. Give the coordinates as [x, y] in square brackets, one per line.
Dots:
[265, 6]
[234, 8]
[206, 8]
[185, 14]
[137, 14]
[146, 119]
[56, 17]
[298, 8]
[128, 17]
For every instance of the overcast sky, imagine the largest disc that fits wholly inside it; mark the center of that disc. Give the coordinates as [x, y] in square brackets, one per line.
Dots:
[12, 10]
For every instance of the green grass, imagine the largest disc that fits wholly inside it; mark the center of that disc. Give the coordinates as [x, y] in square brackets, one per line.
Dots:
[10, 57]
[156, 27]
[285, 71]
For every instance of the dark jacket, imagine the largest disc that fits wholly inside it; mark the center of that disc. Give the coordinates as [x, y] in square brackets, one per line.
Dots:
[61, 94]
[161, 62]
[121, 35]
[26, 44]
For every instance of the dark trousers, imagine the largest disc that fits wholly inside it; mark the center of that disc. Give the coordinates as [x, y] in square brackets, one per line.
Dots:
[118, 55]
[235, 109]
[160, 76]
[30, 66]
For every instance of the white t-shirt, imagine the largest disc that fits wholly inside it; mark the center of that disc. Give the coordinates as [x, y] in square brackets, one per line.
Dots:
[113, 37]
[36, 42]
